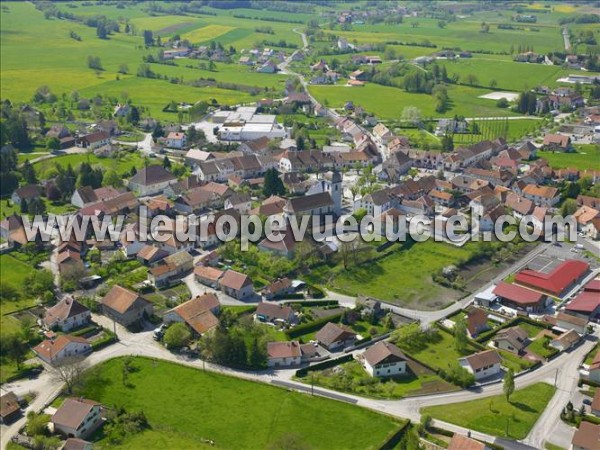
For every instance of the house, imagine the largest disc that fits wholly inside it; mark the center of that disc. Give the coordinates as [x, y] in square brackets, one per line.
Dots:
[10, 409]
[151, 180]
[518, 297]
[66, 315]
[278, 288]
[384, 359]
[280, 243]
[359, 75]
[77, 417]
[125, 306]
[283, 354]
[275, 313]
[477, 320]
[587, 437]
[242, 203]
[312, 205]
[85, 195]
[177, 140]
[93, 141]
[542, 195]
[566, 340]
[585, 305]
[170, 268]
[571, 322]
[556, 282]
[236, 284]
[150, 254]
[121, 110]
[460, 442]
[333, 337]
[69, 260]
[62, 348]
[382, 133]
[513, 339]
[26, 193]
[198, 313]
[208, 276]
[557, 142]
[594, 369]
[482, 364]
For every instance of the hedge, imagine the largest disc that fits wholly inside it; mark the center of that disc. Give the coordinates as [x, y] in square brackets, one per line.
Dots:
[309, 327]
[324, 365]
[510, 323]
[108, 338]
[393, 441]
[308, 304]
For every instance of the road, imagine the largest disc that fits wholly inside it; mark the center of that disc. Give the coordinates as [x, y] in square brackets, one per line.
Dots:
[566, 38]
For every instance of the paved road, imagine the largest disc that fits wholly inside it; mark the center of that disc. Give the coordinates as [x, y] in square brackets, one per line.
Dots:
[566, 38]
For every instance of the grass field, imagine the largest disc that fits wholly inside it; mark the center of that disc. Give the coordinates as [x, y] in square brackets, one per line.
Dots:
[586, 157]
[187, 405]
[494, 415]
[388, 102]
[206, 33]
[403, 277]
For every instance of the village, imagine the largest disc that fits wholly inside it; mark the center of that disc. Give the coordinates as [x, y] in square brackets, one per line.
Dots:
[455, 341]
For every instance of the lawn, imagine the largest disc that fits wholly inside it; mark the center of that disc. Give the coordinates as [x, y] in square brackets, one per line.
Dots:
[494, 415]
[586, 157]
[189, 405]
[403, 277]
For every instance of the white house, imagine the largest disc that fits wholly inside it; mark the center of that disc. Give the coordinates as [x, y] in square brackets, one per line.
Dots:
[384, 360]
[77, 417]
[62, 348]
[66, 315]
[151, 180]
[283, 354]
[483, 364]
[176, 140]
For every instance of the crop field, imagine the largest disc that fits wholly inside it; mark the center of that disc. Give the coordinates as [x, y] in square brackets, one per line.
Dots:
[207, 33]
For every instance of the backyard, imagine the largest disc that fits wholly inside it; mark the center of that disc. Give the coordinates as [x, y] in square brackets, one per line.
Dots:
[495, 415]
[173, 396]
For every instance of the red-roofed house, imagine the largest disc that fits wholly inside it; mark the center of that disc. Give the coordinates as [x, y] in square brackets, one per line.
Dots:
[518, 297]
[586, 305]
[555, 282]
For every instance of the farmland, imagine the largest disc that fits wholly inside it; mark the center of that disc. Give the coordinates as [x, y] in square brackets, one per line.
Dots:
[229, 404]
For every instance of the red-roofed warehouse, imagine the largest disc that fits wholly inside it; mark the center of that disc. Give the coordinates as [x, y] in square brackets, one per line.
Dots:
[557, 281]
[518, 297]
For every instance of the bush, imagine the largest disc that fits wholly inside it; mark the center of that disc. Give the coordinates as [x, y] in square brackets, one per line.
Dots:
[324, 365]
[177, 335]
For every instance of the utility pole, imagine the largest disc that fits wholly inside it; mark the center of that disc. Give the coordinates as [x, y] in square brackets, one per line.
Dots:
[556, 377]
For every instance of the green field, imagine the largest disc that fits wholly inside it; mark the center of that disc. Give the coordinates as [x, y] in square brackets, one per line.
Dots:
[388, 102]
[586, 157]
[494, 415]
[61, 62]
[187, 405]
[403, 277]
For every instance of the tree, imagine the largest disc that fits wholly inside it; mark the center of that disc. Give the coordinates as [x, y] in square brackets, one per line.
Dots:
[257, 358]
[447, 143]
[112, 178]
[36, 207]
[273, 184]
[177, 335]
[412, 115]
[493, 83]
[508, 384]
[133, 116]
[166, 162]
[472, 79]
[95, 63]
[148, 38]
[124, 69]
[568, 207]
[38, 282]
[69, 371]
[15, 349]
[460, 335]
[28, 173]
[53, 143]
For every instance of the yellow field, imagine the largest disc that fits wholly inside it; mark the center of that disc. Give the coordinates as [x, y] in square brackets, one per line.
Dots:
[207, 33]
[160, 22]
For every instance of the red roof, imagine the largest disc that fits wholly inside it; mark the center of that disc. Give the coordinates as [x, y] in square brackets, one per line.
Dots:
[518, 294]
[585, 302]
[593, 286]
[554, 282]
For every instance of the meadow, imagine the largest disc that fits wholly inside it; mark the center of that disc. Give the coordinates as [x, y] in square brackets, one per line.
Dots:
[403, 277]
[586, 157]
[495, 415]
[187, 405]
[389, 102]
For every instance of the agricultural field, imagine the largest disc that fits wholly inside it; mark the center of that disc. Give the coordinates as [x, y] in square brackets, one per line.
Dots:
[495, 415]
[228, 404]
[388, 102]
